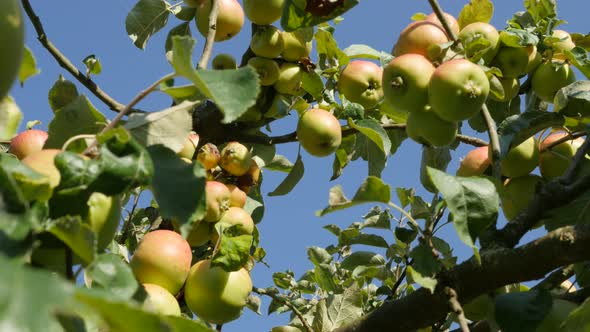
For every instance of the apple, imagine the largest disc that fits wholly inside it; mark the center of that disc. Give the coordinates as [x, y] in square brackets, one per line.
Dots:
[554, 162]
[360, 82]
[481, 41]
[160, 301]
[215, 295]
[235, 158]
[268, 70]
[237, 196]
[289, 81]
[27, 142]
[521, 159]
[12, 36]
[209, 156]
[475, 163]
[190, 146]
[534, 62]
[163, 258]
[295, 46]
[267, 42]
[560, 310]
[224, 61]
[218, 197]
[43, 163]
[405, 82]
[232, 217]
[510, 86]
[421, 37]
[319, 132]
[193, 3]
[10, 118]
[426, 127]
[251, 178]
[479, 308]
[513, 61]
[451, 20]
[560, 42]
[104, 214]
[263, 12]
[517, 194]
[458, 89]
[549, 77]
[200, 234]
[229, 21]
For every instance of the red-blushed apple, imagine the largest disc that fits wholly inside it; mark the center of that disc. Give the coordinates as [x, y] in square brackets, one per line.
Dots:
[263, 12]
[224, 61]
[555, 161]
[251, 178]
[215, 295]
[267, 42]
[229, 21]
[160, 301]
[405, 82]
[268, 70]
[238, 216]
[190, 146]
[421, 37]
[475, 162]
[163, 258]
[521, 159]
[451, 20]
[217, 200]
[517, 194]
[27, 142]
[295, 46]
[237, 196]
[560, 42]
[360, 82]
[43, 162]
[426, 127]
[289, 82]
[482, 41]
[209, 156]
[319, 132]
[235, 159]
[104, 214]
[549, 77]
[12, 36]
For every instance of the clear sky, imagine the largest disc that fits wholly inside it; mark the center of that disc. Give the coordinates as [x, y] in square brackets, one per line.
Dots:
[80, 28]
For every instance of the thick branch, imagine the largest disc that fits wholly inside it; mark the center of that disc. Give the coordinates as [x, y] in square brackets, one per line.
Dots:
[532, 261]
[208, 48]
[65, 63]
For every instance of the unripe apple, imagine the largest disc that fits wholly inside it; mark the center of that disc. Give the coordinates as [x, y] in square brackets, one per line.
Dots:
[232, 217]
[209, 156]
[43, 162]
[319, 132]
[237, 196]
[518, 193]
[190, 146]
[522, 159]
[12, 36]
[560, 42]
[549, 77]
[482, 41]
[513, 61]
[215, 295]
[534, 62]
[163, 258]
[268, 70]
[458, 89]
[451, 20]
[10, 118]
[229, 21]
[200, 234]
[555, 161]
[560, 310]
[27, 142]
[267, 42]
[235, 158]
[511, 87]
[104, 214]
[263, 12]
[224, 61]
[160, 301]
[421, 37]
[475, 162]
[426, 127]
[217, 200]
[251, 178]
[405, 82]
[289, 82]
[295, 46]
[360, 82]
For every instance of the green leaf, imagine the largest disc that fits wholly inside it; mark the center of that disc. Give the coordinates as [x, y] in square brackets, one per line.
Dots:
[518, 128]
[354, 236]
[579, 319]
[361, 51]
[518, 38]
[183, 29]
[178, 187]
[280, 163]
[312, 83]
[62, 93]
[424, 261]
[438, 158]
[405, 235]
[15, 230]
[371, 190]
[145, 19]
[20, 185]
[93, 65]
[376, 218]
[169, 127]
[573, 100]
[327, 47]
[77, 235]
[372, 129]
[368, 150]
[10, 119]
[111, 273]
[522, 311]
[541, 9]
[296, 15]
[362, 258]
[28, 67]
[338, 310]
[472, 201]
[426, 282]
[581, 40]
[325, 277]
[294, 176]
[343, 155]
[233, 251]
[476, 11]
[318, 255]
[576, 212]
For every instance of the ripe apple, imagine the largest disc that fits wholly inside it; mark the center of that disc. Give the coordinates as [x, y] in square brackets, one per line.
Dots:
[200, 234]
[421, 37]
[319, 132]
[215, 295]
[160, 301]
[360, 82]
[554, 162]
[229, 21]
[12, 36]
[27, 142]
[237, 196]
[289, 82]
[263, 12]
[267, 42]
[517, 194]
[217, 196]
[163, 258]
[235, 158]
[10, 118]
[513, 61]
[224, 61]
[104, 214]
[209, 156]
[475, 163]
[405, 82]
[458, 89]
[560, 310]
[481, 41]
[295, 46]
[453, 24]
[510, 86]
[560, 42]
[549, 77]
[426, 127]
[43, 163]
[190, 146]
[268, 70]
[521, 159]
[251, 178]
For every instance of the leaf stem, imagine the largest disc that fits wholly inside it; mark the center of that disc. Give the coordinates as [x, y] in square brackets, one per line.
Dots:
[405, 213]
[275, 297]
[208, 48]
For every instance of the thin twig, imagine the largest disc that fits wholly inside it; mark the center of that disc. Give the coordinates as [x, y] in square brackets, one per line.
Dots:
[457, 309]
[287, 303]
[125, 230]
[565, 138]
[65, 63]
[443, 20]
[218, 327]
[208, 48]
[405, 213]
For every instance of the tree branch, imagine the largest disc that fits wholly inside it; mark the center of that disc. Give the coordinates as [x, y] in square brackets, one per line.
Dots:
[208, 48]
[566, 138]
[65, 63]
[563, 246]
[556, 278]
[287, 303]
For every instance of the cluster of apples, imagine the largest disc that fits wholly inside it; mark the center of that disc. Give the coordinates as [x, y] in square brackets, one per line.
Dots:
[520, 185]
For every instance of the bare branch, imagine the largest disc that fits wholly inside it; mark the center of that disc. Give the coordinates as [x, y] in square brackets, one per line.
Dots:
[208, 48]
[457, 308]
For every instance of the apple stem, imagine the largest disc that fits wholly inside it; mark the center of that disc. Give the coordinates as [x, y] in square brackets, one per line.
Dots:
[208, 48]
[397, 82]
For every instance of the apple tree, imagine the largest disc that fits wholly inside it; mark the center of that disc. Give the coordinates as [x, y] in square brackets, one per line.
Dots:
[81, 253]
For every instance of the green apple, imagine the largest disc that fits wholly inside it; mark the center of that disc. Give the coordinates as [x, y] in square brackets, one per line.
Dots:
[268, 70]
[513, 61]
[475, 163]
[549, 77]
[200, 234]
[289, 81]
[190, 146]
[296, 46]
[104, 214]
[319, 132]
[10, 118]
[209, 156]
[218, 197]
[235, 158]
[451, 20]
[224, 61]
[426, 127]
[43, 162]
[160, 301]
[360, 82]
[12, 37]
[517, 194]
[405, 82]
[27, 143]
[229, 21]
[521, 159]
[481, 41]
[267, 42]
[421, 37]
[560, 310]
[263, 12]
[510, 86]
[555, 161]
[215, 295]
[235, 216]
[560, 42]
[163, 258]
[237, 196]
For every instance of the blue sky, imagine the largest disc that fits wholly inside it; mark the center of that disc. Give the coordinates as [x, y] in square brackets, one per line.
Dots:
[80, 28]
